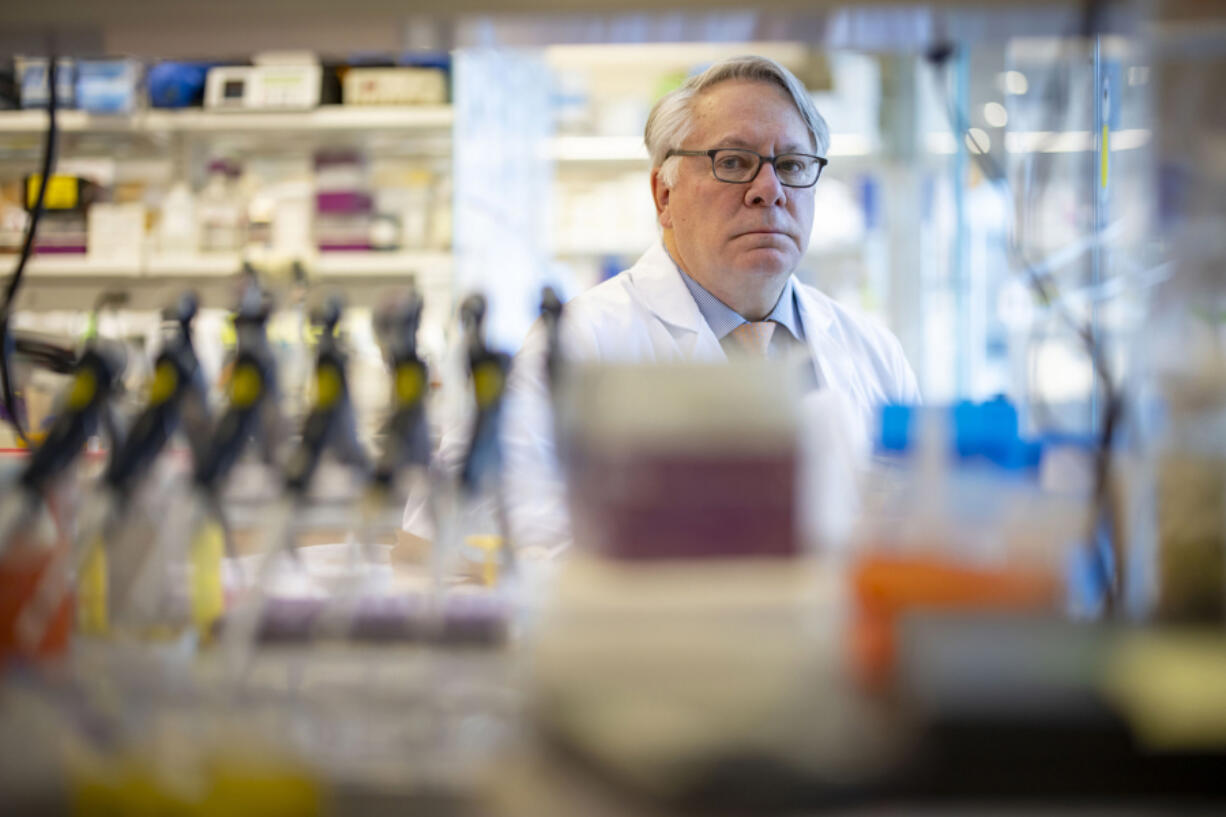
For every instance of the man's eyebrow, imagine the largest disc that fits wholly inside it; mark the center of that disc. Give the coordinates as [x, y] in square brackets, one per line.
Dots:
[734, 142]
[737, 142]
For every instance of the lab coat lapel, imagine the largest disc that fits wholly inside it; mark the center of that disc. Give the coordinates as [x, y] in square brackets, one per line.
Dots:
[838, 374]
[658, 285]
[830, 358]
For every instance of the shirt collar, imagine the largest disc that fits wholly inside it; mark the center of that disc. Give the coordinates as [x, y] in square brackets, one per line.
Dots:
[723, 319]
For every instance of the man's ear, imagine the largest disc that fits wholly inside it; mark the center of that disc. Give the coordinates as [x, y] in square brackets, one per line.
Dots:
[660, 195]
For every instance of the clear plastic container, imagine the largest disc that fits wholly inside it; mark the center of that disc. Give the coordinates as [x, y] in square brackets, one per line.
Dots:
[955, 518]
[221, 210]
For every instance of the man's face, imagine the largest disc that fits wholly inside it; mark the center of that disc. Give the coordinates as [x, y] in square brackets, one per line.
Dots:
[740, 241]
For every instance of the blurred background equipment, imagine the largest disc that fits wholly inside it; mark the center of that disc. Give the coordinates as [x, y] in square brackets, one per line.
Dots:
[1017, 602]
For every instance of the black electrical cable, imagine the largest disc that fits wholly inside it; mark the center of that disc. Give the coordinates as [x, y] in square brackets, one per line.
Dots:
[1104, 517]
[14, 284]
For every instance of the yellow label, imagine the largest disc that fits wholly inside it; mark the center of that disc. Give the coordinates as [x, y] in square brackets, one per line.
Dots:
[1106, 154]
[92, 592]
[489, 544]
[245, 386]
[84, 387]
[229, 335]
[165, 381]
[61, 192]
[487, 383]
[313, 332]
[208, 593]
[327, 386]
[409, 384]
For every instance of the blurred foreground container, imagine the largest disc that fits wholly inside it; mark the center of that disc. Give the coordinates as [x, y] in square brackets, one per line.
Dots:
[955, 518]
[709, 470]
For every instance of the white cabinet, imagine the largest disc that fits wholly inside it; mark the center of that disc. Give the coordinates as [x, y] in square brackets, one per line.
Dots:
[140, 157]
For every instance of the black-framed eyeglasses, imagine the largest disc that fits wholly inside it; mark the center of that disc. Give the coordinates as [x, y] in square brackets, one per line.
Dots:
[741, 166]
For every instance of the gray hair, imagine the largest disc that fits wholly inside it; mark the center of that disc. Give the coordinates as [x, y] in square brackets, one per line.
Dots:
[669, 122]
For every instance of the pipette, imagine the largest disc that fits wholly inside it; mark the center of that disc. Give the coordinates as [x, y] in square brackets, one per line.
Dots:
[407, 438]
[551, 315]
[178, 399]
[250, 415]
[406, 435]
[82, 410]
[251, 412]
[80, 416]
[177, 394]
[406, 444]
[329, 426]
[482, 468]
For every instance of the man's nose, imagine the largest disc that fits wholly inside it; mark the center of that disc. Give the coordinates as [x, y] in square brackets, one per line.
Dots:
[765, 189]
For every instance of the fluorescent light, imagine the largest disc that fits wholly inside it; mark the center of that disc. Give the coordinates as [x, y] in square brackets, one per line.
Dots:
[1072, 141]
[1078, 141]
[1014, 82]
[995, 115]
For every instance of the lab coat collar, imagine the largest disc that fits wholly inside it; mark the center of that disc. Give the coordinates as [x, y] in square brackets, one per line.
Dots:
[657, 278]
[816, 313]
[659, 282]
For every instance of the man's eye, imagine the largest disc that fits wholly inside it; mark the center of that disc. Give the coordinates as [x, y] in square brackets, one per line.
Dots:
[792, 164]
[732, 161]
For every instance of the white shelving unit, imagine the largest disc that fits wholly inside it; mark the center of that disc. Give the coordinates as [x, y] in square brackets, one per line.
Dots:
[380, 265]
[68, 266]
[426, 264]
[433, 122]
[333, 118]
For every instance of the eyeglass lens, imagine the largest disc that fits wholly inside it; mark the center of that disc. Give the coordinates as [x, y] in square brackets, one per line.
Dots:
[733, 165]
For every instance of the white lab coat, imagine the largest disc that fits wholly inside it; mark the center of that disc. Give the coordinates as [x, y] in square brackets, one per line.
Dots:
[646, 314]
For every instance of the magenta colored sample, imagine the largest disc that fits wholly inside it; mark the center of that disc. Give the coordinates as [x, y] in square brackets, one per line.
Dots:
[346, 201]
[654, 506]
[59, 249]
[344, 246]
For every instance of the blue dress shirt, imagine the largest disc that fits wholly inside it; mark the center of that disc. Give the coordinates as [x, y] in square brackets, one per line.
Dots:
[723, 319]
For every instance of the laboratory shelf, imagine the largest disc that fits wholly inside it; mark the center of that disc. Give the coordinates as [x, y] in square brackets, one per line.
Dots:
[204, 265]
[331, 118]
[378, 264]
[427, 264]
[70, 266]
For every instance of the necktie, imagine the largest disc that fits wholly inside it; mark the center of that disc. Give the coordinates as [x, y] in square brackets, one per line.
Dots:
[754, 337]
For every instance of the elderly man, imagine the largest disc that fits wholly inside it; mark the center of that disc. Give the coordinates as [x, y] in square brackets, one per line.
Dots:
[735, 154]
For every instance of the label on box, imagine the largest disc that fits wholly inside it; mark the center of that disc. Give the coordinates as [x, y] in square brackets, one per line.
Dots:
[32, 76]
[116, 233]
[107, 86]
[395, 86]
[63, 192]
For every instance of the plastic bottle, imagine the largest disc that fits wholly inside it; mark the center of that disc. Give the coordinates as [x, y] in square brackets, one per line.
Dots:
[221, 210]
[178, 232]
